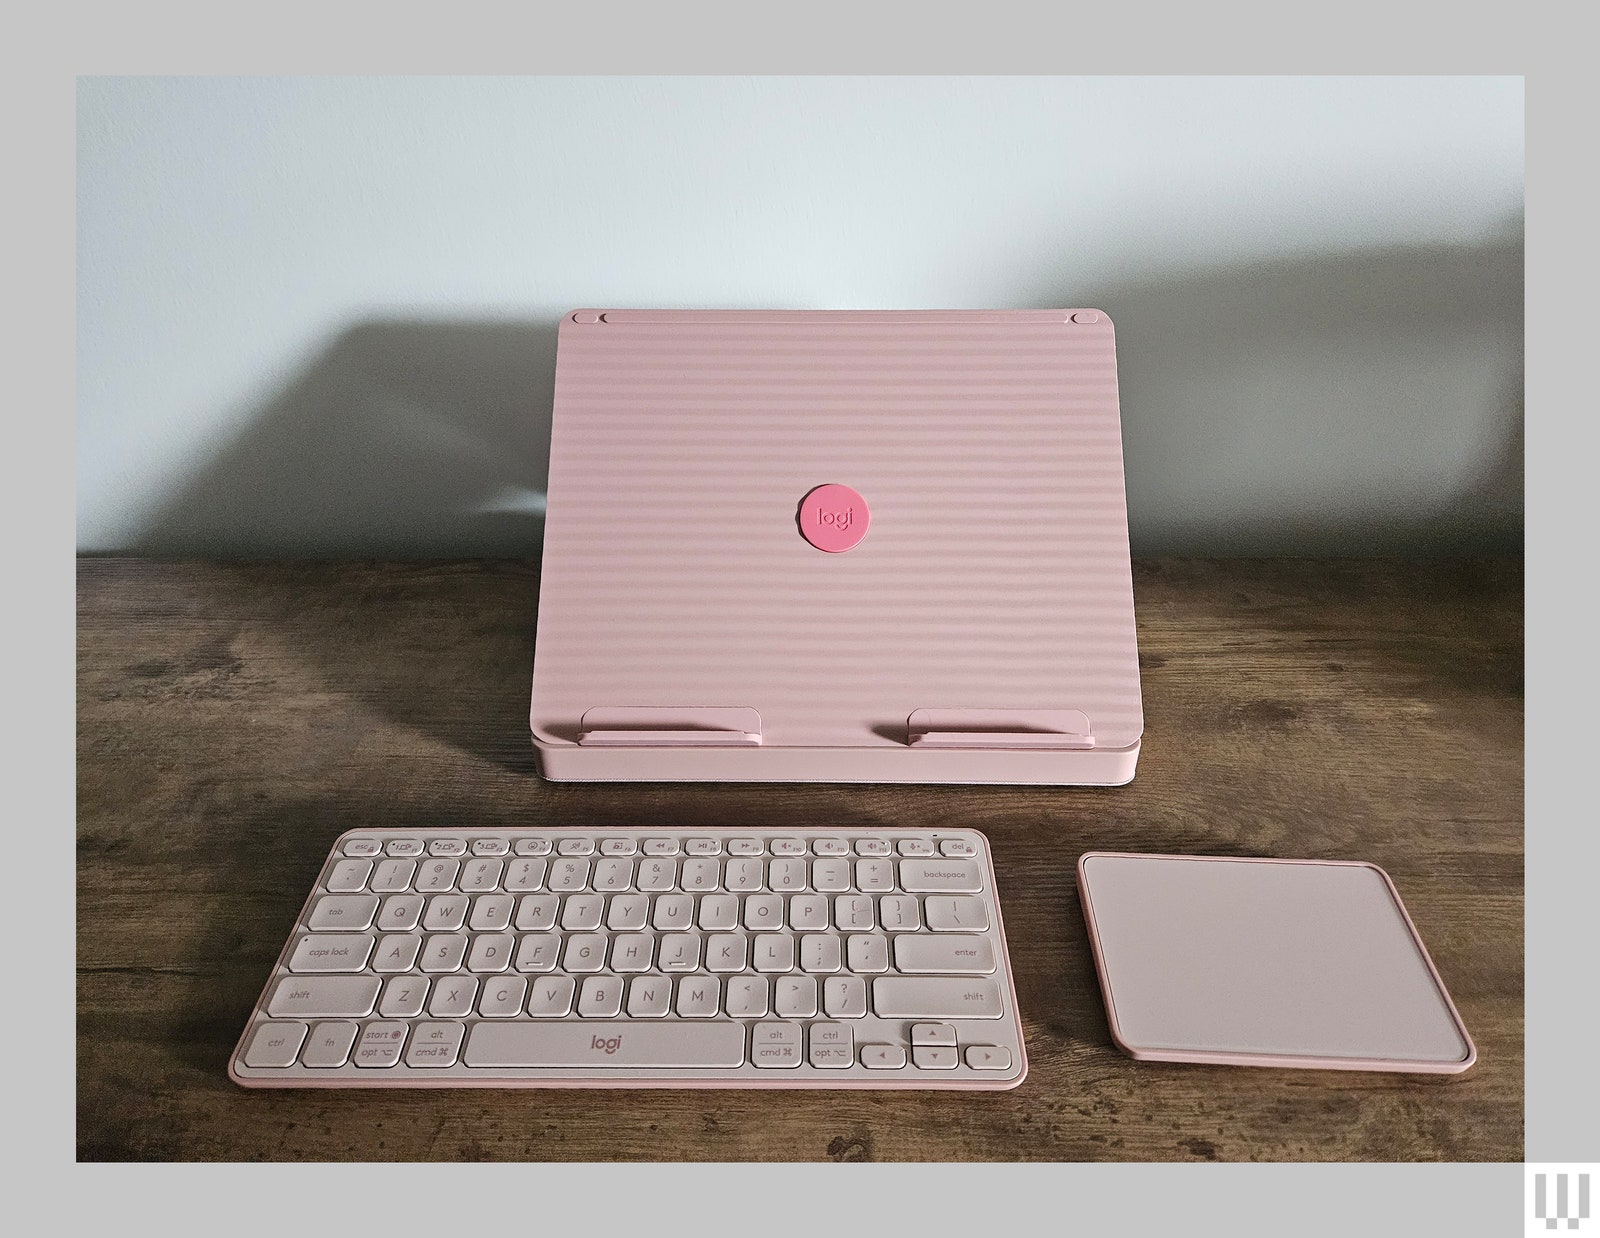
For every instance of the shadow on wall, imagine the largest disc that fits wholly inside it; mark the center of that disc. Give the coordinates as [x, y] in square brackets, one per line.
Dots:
[1360, 404]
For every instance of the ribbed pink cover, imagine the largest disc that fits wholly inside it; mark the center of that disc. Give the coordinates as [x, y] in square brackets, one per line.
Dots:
[995, 574]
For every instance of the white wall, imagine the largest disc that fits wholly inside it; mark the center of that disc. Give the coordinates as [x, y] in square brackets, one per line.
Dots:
[316, 316]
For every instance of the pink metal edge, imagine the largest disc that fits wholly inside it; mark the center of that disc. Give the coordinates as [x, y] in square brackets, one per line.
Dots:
[914, 1084]
[1200, 1057]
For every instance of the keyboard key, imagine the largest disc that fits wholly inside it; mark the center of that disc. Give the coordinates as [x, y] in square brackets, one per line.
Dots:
[679, 952]
[569, 874]
[491, 912]
[329, 1045]
[403, 997]
[658, 874]
[726, 952]
[868, 952]
[478, 875]
[701, 876]
[940, 876]
[600, 997]
[438, 875]
[744, 874]
[775, 1045]
[874, 876]
[883, 1057]
[914, 846]
[380, 1044]
[703, 846]
[444, 952]
[773, 952]
[453, 996]
[872, 846]
[673, 911]
[532, 846]
[808, 912]
[788, 846]
[490, 846]
[956, 847]
[362, 847]
[934, 1057]
[698, 996]
[632, 952]
[719, 911]
[795, 997]
[396, 952]
[831, 875]
[343, 912]
[605, 1046]
[524, 874]
[447, 846]
[550, 997]
[393, 875]
[844, 997]
[628, 912]
[649, 997]
[959, 954]
[988, 1057]
[618, 846]
[403, 847]
[275, 1044]
[820, 952]
[434, 1045]
[575, 846]
[613, 874]
[787, 875]
[931, 997]
[746, 997]
[537, 912]
[830, 846]
[324, 996]
[582, 911]
[899, 913]
[538, 952]
[744, 846]
[852, 911]
[832, 1045]
[585, 952]
[932, 1034]
[446, 912]
[955, 915]
[491, 952]
[400, 913]
[349, 876]
[661, 846]
[331, 952]
[763, 911]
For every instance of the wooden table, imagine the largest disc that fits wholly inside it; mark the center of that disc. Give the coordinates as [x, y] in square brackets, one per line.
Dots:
[232, 719]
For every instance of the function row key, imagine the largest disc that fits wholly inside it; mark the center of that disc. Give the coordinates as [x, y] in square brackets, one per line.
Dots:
[447, 846]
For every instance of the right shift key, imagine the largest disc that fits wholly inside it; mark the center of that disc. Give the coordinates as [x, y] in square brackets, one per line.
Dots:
[935, 997]
[940, 876]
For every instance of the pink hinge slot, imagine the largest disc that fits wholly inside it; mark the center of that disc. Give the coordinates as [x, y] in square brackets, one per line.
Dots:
[1049, 729]
[709, 726]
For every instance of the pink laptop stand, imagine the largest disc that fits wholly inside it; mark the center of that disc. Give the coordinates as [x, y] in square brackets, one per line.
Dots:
[838, 546]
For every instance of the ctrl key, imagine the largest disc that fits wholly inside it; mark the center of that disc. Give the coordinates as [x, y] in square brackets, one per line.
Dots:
[275, 1044]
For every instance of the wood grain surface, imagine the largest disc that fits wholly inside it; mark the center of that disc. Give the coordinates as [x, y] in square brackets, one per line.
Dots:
[232, 719]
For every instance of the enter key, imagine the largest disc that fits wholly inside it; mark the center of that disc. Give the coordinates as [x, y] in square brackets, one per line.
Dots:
[948, 954]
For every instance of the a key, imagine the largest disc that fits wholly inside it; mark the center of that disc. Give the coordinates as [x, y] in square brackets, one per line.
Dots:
[532, 846]
[833, 1045]
[830, 846]
[956, 847]
[605, 1045]
[396, 952]
[434, 1045]
[988, 1057]
[875, 876]
[618, 846]
[490, 846]
[632, 952]
[775, 1045]
[362, 846]
[702, 846]
[673, 911]
[932, 1034]
[661, 846]
[719, 911]
[955, 914]
[380, 1044]
[743, 874]
[899, 913]
[795, 998]
[698, 996]
[701, 875]
[948, 954]
[400, 913]
[763, 911]
[844, 997]
[348, 876]
[582, 911]
[872, 846]
[935, 997]
[585, 952]
[447, 846]
[746, 997]
[343, 913]
[787, 875]
[538, 952]
[324, 997]
[679, 952]
[452, 996]
[628, 911]
[550, 997]
[491, 912]
[658, 874]
[408, 847]
[331, 952]
[438, 875]
[736, 846]
[867, 952]
[479, 875]
[444, 952]
[575, 846]
[329, 1045]
[819, 952]
[524, 874]
[392, 876]
[788, 846]
[852, 911]
[600, 997]
[446, 913]
[649, 997]
[808, 911]
[275, 1044]
[773, 952]
[613, 874]
[940, 876]
[403, 997]
[568, 874]
[934, 1057]
[914, 846]
[831, 875]
[536, 912]
[491, 952]
[883, 1057]
[726, 952]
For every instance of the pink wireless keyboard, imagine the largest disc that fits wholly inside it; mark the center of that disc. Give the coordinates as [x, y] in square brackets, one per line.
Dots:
[643, 958]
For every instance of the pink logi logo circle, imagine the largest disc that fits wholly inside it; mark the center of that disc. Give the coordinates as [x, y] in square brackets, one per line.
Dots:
[834, 518]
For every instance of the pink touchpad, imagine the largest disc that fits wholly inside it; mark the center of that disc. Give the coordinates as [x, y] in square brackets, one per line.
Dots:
[834, 518]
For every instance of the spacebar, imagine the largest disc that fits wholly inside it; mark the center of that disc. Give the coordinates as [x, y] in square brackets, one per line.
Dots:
[605, 1046]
